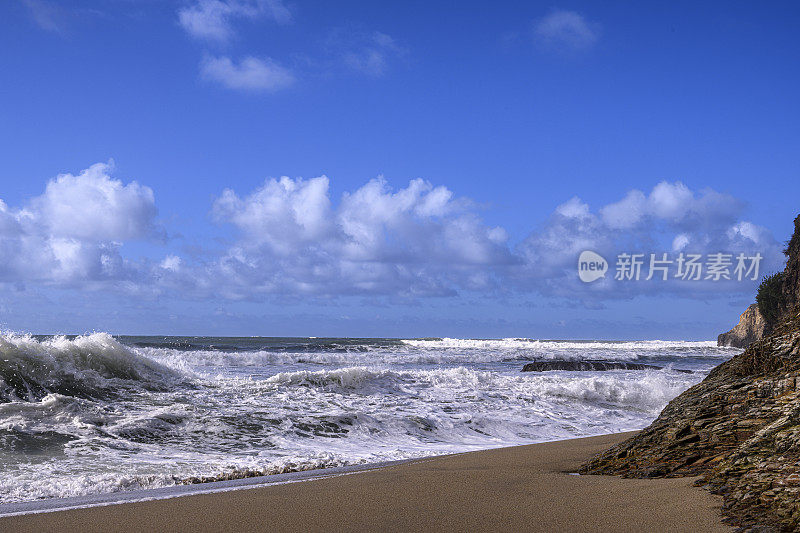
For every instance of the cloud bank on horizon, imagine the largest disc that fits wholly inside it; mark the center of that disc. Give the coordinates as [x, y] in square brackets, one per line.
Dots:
[421, 240]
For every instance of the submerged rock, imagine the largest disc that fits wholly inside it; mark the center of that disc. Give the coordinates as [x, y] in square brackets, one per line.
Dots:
[739, 428]
[750, 328]
[545, 366]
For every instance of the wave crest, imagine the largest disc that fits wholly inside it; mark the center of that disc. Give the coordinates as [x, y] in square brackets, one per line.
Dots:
[88, 366]
[643, 391]
[517, 343]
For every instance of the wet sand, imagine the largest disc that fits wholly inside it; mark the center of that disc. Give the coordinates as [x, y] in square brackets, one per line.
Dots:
[522, 488]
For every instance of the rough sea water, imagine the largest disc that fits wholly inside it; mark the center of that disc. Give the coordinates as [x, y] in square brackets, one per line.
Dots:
[96, 413]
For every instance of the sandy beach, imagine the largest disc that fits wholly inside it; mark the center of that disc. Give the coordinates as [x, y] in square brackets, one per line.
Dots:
[521, 488]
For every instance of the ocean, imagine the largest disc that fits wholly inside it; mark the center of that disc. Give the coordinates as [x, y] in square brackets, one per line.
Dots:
[99, 413]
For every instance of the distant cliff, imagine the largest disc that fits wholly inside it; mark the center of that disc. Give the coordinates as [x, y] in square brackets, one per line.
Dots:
[749, 329]
[739, 429]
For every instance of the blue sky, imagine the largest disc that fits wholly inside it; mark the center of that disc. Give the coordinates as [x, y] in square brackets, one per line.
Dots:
[123, 124]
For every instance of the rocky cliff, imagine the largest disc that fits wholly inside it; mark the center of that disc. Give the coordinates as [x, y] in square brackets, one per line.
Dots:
[791, 279]
[749, 329]
[739, 429]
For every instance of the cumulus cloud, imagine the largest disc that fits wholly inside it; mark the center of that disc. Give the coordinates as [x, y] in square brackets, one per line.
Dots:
[94, 207]
[420, 223]
[213, 19]
[565, 30]
[284, 214]
[626, 213]
[73, 231]
[670, 219]
[416, 240]
[291, 237]
[671, 203]
[250, 73]
[424, 240]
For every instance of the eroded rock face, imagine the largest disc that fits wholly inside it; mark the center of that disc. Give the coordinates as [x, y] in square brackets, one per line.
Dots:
[749, 329]
[739, 429]
[791, 280]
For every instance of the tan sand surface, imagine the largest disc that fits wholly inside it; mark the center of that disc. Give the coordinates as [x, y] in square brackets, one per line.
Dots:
[522, 488]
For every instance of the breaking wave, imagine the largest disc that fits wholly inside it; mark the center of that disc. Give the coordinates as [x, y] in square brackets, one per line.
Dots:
[96, 413]
[647, 391]
[88, 366]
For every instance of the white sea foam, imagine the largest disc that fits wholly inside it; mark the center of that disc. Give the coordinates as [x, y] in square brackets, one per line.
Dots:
[92, 414]
[556, 345]
[436, 352]
[86, 366]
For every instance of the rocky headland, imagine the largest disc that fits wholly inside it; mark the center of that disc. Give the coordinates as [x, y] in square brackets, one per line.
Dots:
[739, 429]
[750, 329]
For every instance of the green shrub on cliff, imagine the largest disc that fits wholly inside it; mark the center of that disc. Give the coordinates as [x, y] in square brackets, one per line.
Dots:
[793, 244]
[770, 297]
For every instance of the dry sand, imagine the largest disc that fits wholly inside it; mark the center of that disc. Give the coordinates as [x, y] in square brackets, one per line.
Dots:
[523, 488]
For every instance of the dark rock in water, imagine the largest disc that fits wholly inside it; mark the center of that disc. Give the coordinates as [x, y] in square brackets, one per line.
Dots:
[750, 328]
[544, 366]
[739, 429]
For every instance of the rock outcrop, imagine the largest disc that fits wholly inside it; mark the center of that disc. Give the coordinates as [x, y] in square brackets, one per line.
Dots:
[545, 366]
[739, 429]
[791, 278]
[750, 328]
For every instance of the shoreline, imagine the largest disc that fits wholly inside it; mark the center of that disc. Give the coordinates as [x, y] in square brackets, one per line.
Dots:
[528, 487]
[103, 499]
[86, 501]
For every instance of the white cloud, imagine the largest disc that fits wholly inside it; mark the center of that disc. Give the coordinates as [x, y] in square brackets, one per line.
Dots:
[747, 232]
[46, 15]
[626, 213]
[420, 223]
[368, 53]
[680, 242]
[565, 30]
[671, 201]
[251, 73]
[73, 231]
[171, 263]
[292, 238]
[213, 19]
[207, 19]
[416, 240]
[671, 218]
[284, 214]
[574, 208]
[94, 207]
[549, 252]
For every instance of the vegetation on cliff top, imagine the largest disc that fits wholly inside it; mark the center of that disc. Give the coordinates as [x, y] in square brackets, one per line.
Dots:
[770, 297]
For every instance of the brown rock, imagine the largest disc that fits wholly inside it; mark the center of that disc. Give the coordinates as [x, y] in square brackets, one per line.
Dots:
[749, 329]
[739, 429]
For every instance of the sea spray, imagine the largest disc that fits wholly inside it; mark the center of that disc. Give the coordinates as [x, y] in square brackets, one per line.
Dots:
[96, 413]
[85, 367]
